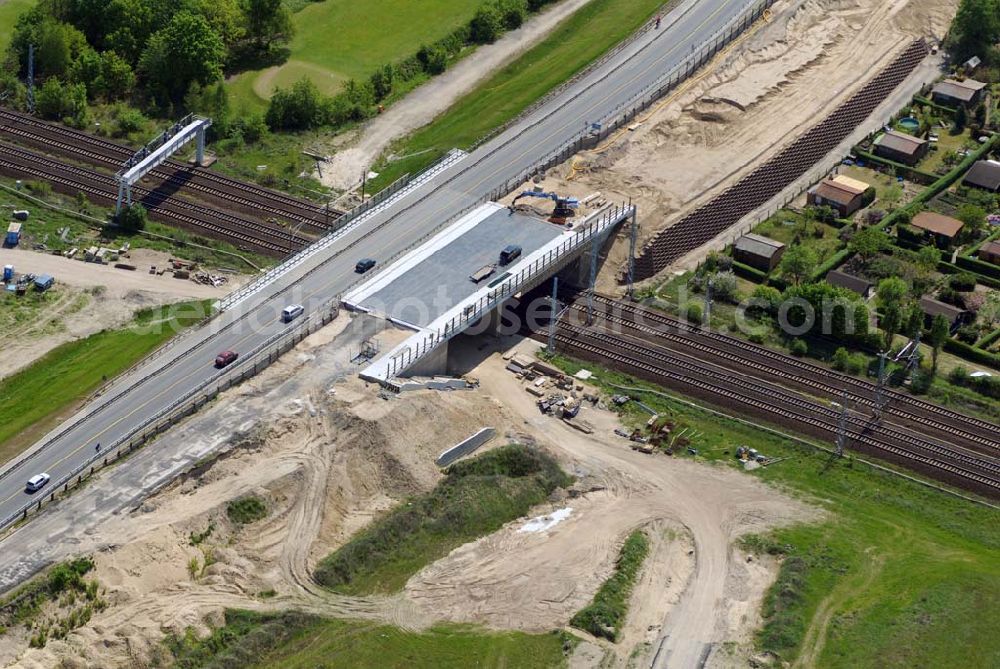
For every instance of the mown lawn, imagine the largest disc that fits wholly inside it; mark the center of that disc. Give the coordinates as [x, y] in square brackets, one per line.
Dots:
[574, 44]
[336, 40]
[9, 11]
[897, 575]
[35, 399]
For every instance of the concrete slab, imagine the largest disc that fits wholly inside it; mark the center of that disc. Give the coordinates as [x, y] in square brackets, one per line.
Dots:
[433, 278]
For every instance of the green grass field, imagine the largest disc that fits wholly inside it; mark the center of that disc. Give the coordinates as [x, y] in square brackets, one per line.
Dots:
[34, 400]
[9, 11]
[336, 40]
[574, 44]
[298, 641]
[898, 576]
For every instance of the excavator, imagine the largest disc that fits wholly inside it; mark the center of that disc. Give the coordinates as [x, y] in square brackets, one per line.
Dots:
[565, 206]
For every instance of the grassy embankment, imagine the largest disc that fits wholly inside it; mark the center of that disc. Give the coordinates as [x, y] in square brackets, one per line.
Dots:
[300, 641]
[898, 575]
[606, 613]
[475, 497]
[37, 398]
[579, 40]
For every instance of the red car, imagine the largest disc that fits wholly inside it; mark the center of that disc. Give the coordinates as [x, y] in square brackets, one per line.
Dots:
[226, 358]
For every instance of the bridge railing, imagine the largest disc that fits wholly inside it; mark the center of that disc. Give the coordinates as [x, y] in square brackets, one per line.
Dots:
[250, 365]
[345, 225]
[525, 276]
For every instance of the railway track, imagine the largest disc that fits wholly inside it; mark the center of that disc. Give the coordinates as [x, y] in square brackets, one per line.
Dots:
[741, 354]
[71, 179]
[741, 391]
[247, 197]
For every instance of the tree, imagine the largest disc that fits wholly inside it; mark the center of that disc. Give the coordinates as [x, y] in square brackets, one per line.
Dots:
[961, 119]
[381, 81]
[132, 218]
[486, 25]
[975, 30]
[973, 217]
[267, 21]
[299, 108]
[940, 329]
[891, 196]
[185, 52]
[869, 243]
[892, 291]
[513, 13]
[434, 59]
[58, 101]
[892, 321]
[798, 262]
[117, 77]
[928, 258]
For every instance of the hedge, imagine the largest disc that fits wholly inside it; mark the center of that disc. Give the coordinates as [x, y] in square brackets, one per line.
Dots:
[749, 273]
[973, 354]
[919, 99]
[833, 262]
[988, 340]
[978, 267]
[921, 176]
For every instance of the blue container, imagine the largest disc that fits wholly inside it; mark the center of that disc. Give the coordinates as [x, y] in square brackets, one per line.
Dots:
[8, 273]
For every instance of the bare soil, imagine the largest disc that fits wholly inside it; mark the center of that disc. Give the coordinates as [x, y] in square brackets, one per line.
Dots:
[751, 101]
[92, 297]
[330, 458]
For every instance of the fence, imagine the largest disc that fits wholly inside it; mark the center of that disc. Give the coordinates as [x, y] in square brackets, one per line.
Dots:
[257, 360]
[541, 266]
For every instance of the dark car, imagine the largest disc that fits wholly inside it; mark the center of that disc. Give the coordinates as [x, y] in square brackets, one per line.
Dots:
[510, 254]
[364, 265]
[226, 358]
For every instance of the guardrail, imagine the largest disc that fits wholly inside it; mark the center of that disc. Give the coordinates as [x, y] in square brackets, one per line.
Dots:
[605, 220]
[257, 360]
[346, 224]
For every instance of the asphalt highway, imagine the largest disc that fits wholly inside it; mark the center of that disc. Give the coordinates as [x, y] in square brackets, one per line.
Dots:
[188, 364]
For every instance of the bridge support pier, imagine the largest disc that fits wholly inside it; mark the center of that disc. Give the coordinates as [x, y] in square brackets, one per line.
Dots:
[433, 364]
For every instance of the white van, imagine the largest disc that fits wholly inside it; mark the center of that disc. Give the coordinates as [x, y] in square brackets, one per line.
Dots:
[291, 312]
[36, 482]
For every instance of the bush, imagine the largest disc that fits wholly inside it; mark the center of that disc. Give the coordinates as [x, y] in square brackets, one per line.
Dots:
[487, 25]
[963, 283]
[857, 364]
[132, 218]
[694, 314]
[434, 59]
[799, 347]
[841, 359]
[299, 108]
[921, 380]
[246, 510]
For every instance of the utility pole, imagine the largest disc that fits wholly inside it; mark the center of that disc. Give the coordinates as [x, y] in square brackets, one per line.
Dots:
[842, 426]
[31, 78]
[553, 316]
[707, 320]
[880, 387]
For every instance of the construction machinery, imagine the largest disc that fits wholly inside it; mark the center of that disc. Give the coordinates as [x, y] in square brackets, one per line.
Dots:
[565, 206]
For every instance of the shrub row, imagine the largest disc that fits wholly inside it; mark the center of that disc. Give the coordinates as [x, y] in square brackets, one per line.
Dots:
[913, 173]
[978, 266]
[749, 273]
[605, 614]
[973, 354]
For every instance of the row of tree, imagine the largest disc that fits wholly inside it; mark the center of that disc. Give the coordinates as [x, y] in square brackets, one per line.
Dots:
[975, 30]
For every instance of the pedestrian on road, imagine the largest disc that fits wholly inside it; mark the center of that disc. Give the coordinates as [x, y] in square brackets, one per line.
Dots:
[98, 447]
[658, 19]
